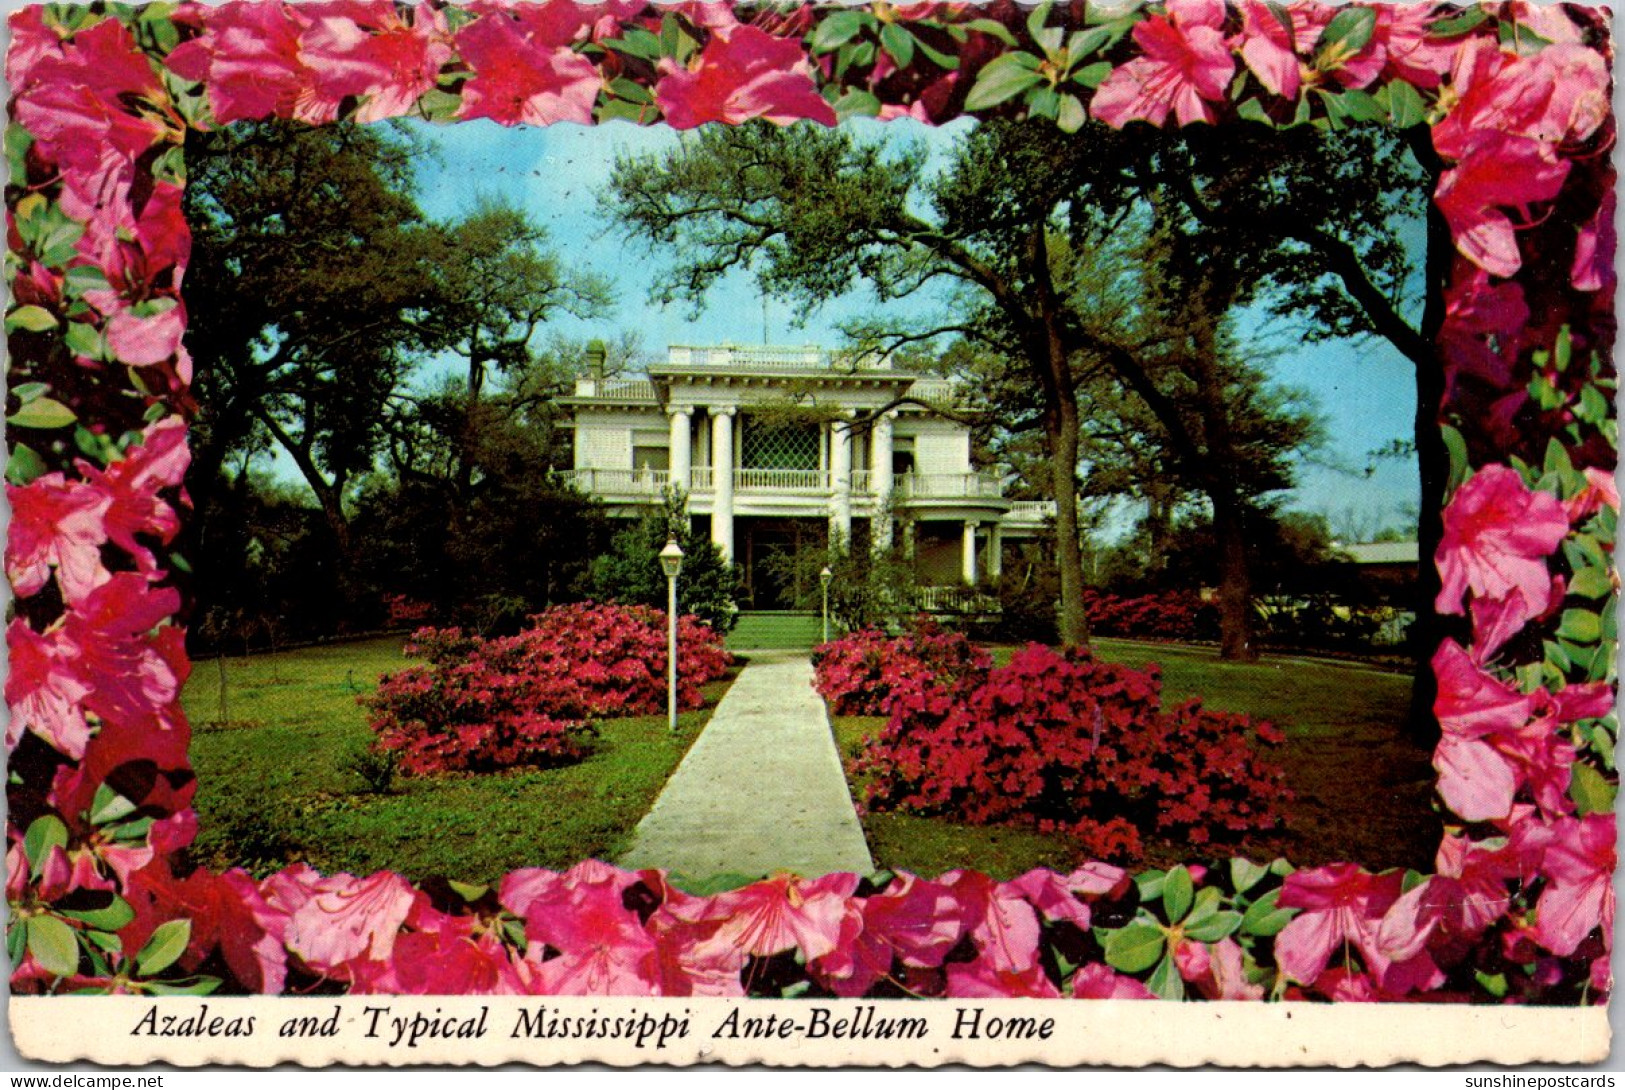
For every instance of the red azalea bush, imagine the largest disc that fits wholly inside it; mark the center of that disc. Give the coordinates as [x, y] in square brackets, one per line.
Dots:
[1172, 615]
[1066, 743]
[483, 704]
[859, 673]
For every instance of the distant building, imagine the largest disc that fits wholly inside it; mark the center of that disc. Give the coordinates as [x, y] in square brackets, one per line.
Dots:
[699, 422]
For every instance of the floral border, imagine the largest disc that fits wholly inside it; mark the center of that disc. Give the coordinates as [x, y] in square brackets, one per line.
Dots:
[1518, 101]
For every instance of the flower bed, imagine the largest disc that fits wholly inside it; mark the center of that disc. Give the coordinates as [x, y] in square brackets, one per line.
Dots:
[1515, 98]
[526, 699]
[1067, 744]
[860, 672]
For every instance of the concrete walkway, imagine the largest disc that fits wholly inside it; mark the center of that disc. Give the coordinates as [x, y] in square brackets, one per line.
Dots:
[761, 789]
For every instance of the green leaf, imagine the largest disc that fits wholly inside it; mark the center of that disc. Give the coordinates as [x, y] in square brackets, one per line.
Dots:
[1263, 918]
[1071, 114]
[1590, 790]
[1348, 32]
[1215, 927]
[937, 56]
[1083, 43]
[1245, 874]
[203, 985]
[837, 28]
[1093, 75]
[85, 340]
[1591, 583]
[28, 391]
[1037, 18]
[899, 43]
[53, 944]
[1135, 947]
[1165, 981]
[857, 104]
[1592, 406]
[636, 42]
[24, 465]
[16, 940]
[1044, 102]
[35, 319]
[1496, 985]
[1149, 885]
[468, 891]
[44, 833]
[1467, 21]
[992, 28]
[110, 918]
[1456, 446]
[108, 805]
[631, 91]
[1580, 625]
[1177, 891]
[1002, 79]
[1405, 105]
[43, 412]
[618, 109]
[1253, 110]
[167, 944]
[1359, 106]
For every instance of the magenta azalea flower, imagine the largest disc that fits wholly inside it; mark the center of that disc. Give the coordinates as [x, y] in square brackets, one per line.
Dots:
[1186, 64]
[778, 914]
[1578, 863]
[345, 919]
[1497, 536]
[1269, 47]
[742, 73]
[1343, 906]
[1099, 981]
[914, 920]
[44, 692]
[56, 524]
[248, 58]
[1496, 172]
[370, 52]
[522, 78]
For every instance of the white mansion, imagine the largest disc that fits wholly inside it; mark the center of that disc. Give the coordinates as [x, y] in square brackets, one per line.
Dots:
[768, 482]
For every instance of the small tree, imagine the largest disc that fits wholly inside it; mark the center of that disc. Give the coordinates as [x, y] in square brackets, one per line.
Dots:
[630, 572]
[868, 587]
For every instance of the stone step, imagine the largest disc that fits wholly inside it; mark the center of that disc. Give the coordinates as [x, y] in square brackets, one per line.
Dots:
[763, 629]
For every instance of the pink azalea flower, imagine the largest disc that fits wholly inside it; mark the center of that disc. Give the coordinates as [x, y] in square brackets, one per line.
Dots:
[914, 920]
[248, 57]
[1496, 620]
[1472, 883]
[1217, 971]
[1593, 268]
[1343, 905]
[44, 691]
[1098, 981]
[141, 342]
[1477, 777]
[981, 979]
[1600, 491]
[522, 80]
[368, 51]
[1497, 535]
[348, 919]
[56, 524]
[779, 914]
[740, 74]
[1269, 48]
[603, 945]
[132, 484]
[1185, 64]
[129, 669]
[1557, 96]
[1496, 172]
[1578, 864]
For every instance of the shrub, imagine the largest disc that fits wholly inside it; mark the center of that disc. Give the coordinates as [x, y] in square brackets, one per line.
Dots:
[375, 766]
[483, 704]
[1171, 615]
[859, 673]
[1067, 744]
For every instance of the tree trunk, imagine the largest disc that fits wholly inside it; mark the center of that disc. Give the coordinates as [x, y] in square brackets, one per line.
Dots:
[1235, 579]
[1072, 623]
[1433, 459]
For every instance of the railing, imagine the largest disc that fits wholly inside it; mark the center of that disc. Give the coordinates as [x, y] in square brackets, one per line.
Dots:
[956, 600]
[863, 481]
[699, 479]
[948, 486]
[781, 480]
[616, 389]
[1034, 510]
[771, 358]
[619, 482]
[938, 391]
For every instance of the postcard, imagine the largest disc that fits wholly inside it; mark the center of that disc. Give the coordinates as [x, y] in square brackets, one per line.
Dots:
[896, 534]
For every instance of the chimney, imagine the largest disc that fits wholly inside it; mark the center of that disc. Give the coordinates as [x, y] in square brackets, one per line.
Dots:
[597, 359]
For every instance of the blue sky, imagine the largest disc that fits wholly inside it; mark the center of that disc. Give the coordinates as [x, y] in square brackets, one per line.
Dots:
[1364, 391]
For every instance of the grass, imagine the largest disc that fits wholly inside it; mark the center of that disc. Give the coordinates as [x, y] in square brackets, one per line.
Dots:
[274, 787]
[1363, 793]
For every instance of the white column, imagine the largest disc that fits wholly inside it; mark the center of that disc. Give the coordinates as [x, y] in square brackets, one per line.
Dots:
[682, 454]
[968, 556]
[995, 552]
[880, 475]
[722, 480]
[840, 469]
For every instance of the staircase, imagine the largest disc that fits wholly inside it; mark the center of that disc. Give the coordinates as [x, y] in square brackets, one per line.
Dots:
[762, 630]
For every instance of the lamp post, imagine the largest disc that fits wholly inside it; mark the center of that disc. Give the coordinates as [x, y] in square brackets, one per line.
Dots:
[824, 577]
[671, 562]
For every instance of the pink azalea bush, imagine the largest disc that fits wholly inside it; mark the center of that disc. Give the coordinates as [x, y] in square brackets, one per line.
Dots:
[860, 672]
[483, 704]
[1519, 907]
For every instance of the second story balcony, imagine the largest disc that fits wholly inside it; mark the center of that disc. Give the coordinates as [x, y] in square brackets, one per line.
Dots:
[914, 489]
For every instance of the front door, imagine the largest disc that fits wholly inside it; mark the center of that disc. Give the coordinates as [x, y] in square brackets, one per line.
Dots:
[773, 577]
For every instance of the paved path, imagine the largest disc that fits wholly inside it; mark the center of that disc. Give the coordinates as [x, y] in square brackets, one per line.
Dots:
[761, 789]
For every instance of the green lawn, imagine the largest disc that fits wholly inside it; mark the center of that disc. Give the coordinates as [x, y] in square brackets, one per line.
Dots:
[1363, 794]
[274, 787]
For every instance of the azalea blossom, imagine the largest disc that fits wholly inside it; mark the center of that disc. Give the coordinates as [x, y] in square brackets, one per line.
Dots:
[523, 79]
[344, 919]
[1342, 906]
[1578, 862]
[1186, 64]
[778, 914]
[1497, 536]
[740, 74]
[56, 525]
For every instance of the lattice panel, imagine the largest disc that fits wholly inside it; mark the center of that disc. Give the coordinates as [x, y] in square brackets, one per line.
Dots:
[778, 446]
